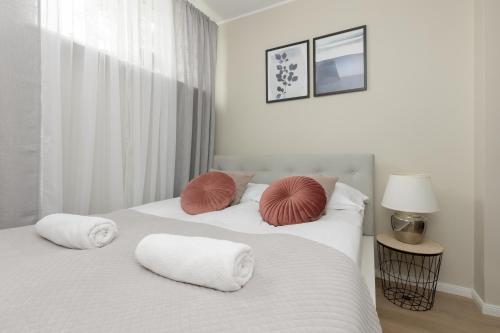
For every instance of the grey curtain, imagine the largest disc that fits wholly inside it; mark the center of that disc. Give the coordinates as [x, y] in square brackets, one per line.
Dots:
[196, 45]
[19, 112]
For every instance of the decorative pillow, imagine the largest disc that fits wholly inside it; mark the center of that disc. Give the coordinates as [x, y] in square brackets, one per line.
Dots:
[328, 184]
[241, 179]
[292, 200]
[208, 192]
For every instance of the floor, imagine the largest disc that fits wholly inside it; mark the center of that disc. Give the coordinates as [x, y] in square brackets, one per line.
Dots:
[450, 314]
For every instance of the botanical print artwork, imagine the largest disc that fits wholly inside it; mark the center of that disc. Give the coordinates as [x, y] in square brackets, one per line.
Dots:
[287, 72]
[340, 62]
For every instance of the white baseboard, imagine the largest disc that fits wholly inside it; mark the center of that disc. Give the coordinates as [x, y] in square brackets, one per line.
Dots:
[486, 309]
[454, 289]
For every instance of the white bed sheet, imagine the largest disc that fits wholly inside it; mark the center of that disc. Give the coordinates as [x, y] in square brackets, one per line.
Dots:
[339, 229]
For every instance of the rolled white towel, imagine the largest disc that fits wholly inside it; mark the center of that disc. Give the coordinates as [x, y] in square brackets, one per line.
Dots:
[213, 263]
[77, 231]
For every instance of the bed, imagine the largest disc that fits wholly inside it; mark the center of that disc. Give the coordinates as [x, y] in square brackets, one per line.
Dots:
[301, 283]
[339, 229]
[356, 170]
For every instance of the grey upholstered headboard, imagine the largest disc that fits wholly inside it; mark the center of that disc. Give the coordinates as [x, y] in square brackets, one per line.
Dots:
[355, 170]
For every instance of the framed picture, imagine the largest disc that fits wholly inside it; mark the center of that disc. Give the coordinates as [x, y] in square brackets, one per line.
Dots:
[287, 72]
[340, 62]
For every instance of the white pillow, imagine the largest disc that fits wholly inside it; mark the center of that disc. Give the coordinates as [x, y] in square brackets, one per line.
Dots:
[253, 192]
[346, 197]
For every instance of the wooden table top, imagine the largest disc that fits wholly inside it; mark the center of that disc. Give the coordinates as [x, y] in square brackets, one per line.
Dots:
[427, 247]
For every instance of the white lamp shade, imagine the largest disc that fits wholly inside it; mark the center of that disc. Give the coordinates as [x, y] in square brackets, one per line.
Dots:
[410, 193]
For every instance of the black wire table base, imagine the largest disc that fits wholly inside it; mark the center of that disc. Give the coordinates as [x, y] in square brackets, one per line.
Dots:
[409, 280]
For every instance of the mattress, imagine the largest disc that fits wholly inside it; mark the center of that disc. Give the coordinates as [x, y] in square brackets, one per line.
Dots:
[339, 229]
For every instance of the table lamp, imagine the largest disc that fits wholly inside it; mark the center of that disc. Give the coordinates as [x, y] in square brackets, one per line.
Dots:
[409, 195]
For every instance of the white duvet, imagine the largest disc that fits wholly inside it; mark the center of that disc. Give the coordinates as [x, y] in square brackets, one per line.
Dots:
[339, 229]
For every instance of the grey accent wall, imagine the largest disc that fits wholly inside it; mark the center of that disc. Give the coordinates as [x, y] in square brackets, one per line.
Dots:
[19, 112]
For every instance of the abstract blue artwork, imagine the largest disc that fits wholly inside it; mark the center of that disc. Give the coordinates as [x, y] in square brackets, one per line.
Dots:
[340, 62]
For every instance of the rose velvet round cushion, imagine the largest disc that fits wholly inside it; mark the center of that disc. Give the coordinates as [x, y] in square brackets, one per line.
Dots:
[208, 192]
[293, 200]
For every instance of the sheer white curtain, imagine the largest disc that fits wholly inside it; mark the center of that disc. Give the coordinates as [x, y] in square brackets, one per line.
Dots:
[109, 93]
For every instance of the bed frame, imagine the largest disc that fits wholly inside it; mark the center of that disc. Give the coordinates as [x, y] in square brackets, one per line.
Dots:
[355, 170]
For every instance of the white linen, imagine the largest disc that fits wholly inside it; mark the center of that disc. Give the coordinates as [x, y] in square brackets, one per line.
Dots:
[253, 192]
[346, 197]
[338, 229]
[76, 231]
[208, 262]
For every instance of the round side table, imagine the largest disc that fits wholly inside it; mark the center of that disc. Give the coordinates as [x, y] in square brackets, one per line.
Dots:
[409, 272]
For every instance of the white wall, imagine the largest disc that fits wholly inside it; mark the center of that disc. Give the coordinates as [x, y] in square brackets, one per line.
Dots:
[417, 114]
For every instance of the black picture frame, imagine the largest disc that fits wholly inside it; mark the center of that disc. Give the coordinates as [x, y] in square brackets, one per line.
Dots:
[365, 65]
[307, 95]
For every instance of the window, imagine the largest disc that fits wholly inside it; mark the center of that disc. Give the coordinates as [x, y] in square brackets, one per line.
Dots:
[137, 32]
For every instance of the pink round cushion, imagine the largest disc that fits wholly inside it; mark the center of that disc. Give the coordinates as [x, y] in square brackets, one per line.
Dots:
[208, 192]
[292, 200]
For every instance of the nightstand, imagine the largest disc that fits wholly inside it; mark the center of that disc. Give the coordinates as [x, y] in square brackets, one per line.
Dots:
[409, 272]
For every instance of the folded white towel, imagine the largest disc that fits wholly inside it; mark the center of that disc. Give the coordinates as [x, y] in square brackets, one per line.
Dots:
[76, 231]
[213, 263]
